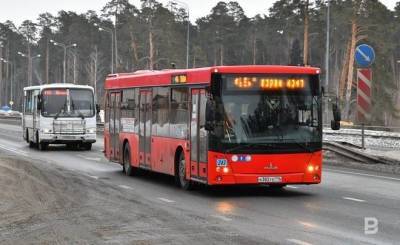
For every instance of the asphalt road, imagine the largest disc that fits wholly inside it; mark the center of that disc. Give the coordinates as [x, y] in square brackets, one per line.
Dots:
[89, 200]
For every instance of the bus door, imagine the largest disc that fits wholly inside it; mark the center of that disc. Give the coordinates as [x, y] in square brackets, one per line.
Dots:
[198, 136]
[145, 116]
[115, 100]
[35, 115]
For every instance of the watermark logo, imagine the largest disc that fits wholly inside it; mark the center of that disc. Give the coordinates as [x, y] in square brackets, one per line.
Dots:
[371, 225]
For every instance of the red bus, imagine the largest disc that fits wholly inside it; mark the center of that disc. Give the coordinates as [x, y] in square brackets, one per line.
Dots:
[224, 125]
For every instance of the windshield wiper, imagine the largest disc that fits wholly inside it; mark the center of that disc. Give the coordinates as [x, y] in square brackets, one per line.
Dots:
[61, 109]
[79, 112]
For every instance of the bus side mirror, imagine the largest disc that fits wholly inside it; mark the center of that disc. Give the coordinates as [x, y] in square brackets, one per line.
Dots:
[337, 117]
[323, 90]
[210, 115]
[97, 108]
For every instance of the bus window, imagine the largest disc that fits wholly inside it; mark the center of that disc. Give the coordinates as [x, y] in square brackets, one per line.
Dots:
[128, 108]
[28, 102]
[179, 114]
[203, 147]
[161, 111]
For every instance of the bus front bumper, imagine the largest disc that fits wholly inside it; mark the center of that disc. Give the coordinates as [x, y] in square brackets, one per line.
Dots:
[265, 179]
[63, 139]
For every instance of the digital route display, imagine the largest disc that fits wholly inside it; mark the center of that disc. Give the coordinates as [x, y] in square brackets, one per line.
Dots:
[266, 83]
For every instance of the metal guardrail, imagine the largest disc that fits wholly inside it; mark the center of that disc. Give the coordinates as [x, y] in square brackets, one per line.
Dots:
[354, 152]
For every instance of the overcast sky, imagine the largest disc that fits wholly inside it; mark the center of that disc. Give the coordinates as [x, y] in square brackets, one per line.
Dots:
[19, 10]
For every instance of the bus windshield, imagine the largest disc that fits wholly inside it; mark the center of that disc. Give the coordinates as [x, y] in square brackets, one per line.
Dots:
[68, 102]
[257, 112]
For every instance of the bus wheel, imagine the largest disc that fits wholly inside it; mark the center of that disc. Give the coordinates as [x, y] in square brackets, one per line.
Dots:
[184, 184]
[40, 145]
[87, 146]
[128, 169]
[27, 136]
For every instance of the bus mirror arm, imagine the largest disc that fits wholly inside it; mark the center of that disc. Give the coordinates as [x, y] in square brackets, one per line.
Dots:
[97, 108]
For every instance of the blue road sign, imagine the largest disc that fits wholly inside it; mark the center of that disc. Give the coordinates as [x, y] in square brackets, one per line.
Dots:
[365, 55]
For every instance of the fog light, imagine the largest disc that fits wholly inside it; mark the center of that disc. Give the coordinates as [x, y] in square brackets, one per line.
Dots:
[225, 170]
[310, 168]
[219, 178]
[47, 131]
[91, 130]
[316, 177]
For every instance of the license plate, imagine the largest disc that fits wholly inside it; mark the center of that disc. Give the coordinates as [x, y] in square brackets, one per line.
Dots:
[67, 137]
[275, 179]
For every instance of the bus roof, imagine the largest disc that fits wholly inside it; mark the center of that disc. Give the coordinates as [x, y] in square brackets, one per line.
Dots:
[196, 75]
[58, 85]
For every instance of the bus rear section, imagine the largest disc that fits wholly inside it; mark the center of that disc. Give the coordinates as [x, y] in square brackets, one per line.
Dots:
[246, 125]
[60, 114]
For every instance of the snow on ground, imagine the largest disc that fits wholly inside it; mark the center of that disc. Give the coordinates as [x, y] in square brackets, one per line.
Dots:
[377, 140]
[377, 143]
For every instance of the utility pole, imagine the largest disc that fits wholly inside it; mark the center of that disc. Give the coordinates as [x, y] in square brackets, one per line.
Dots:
[305, 58]
[116, 41]
[74, 67]
[95, 73]
[1, 72]
[105, 29]
[30, 64]
[65, 47]
[47, 60]
[187, 31]
[327, 53]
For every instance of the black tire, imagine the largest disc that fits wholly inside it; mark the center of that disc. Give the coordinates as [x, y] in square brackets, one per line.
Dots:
[43, 146]
[183, 183]
[87, 146]
[27, 136]
[127, 167]
[31, 144]
[40, 145]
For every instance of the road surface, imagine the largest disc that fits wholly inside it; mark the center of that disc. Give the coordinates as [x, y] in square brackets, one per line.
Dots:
[63, 196]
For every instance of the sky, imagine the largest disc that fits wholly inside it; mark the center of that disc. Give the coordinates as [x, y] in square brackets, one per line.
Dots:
[20, 10]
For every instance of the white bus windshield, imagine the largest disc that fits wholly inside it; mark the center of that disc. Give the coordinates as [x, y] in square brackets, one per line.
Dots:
[67, 102]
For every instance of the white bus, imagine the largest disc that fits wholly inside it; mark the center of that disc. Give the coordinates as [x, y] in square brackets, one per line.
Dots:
[59, 114]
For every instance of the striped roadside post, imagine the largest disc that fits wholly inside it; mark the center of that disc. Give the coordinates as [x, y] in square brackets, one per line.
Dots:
[364, 94]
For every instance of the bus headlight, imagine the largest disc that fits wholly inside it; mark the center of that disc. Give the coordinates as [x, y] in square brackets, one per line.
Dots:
[47, 130]
[90, 130]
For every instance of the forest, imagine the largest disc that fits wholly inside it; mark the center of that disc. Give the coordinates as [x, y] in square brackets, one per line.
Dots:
[126, 38]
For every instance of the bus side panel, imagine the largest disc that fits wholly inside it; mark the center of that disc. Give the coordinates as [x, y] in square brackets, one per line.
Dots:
[163, 154]
[28, 124]
[133, 140]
